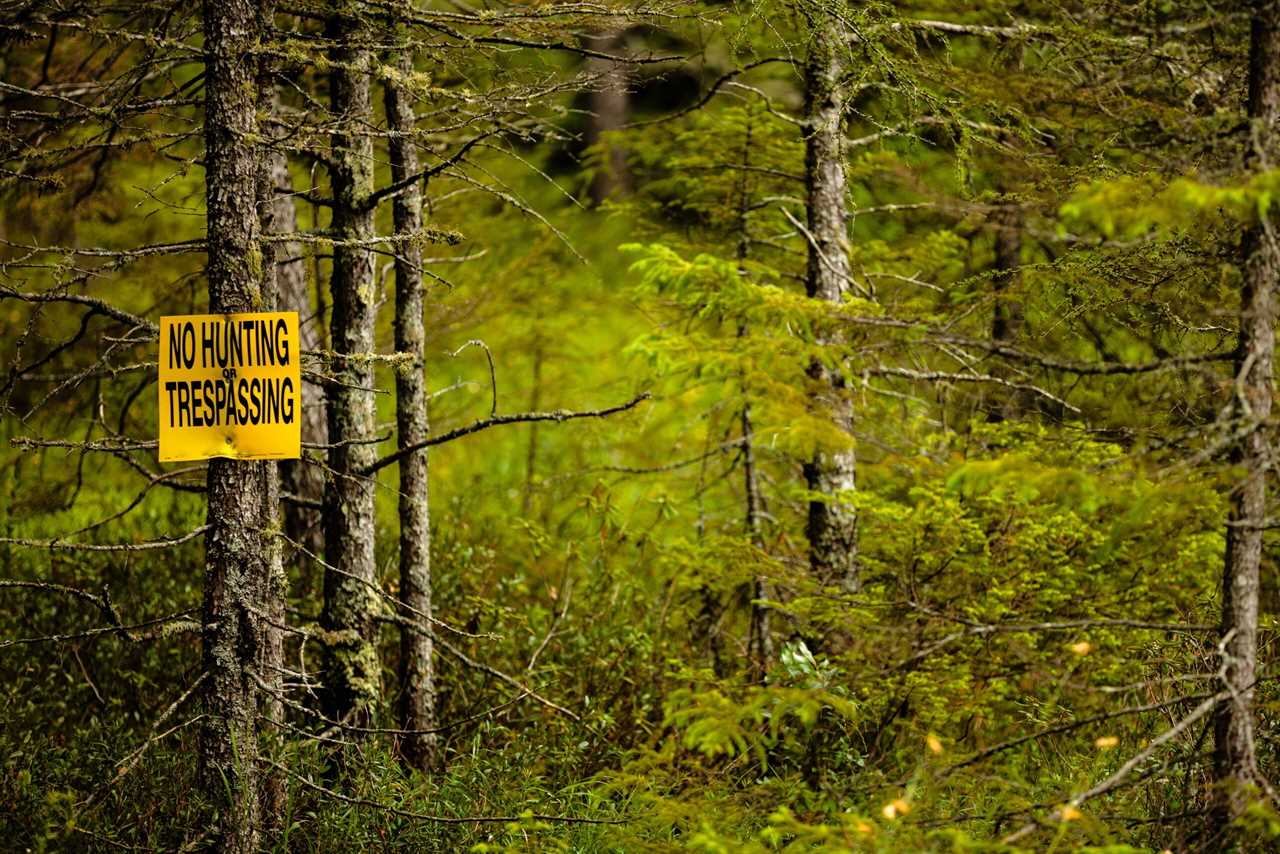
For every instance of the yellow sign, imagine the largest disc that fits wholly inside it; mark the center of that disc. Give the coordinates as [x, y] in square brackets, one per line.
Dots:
[230, 386]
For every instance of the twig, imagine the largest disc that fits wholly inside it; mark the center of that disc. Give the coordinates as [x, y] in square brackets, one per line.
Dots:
[131, 760]
[177, 619]
[1067, 727]
[150, 545]
[1134, 761]
[493, 371]
[944, 376]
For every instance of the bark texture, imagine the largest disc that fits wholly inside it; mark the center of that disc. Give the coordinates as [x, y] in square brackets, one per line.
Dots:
[270, 668]
[297, 477]
[351, 677]
[1234, 757]
[241, 494]
[417, 681]
[832, 527]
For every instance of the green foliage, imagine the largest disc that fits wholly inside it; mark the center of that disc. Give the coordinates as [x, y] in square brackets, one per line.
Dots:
[1130, 206]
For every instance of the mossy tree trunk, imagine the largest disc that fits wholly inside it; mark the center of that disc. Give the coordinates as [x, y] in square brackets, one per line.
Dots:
[1234, 756]
[241, 494]
[351, 671]
[832, 527]
[280, 266]
[416, 674]
[302, 524]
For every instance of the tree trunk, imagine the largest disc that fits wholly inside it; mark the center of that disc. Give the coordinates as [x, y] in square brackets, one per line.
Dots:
[833, 526]
[241, 494]
[417, 688]
[610, 106]
[1007, 316]
[351, 678]
[278, 266]
[1234, 760]
[760, 637]
[297, 477]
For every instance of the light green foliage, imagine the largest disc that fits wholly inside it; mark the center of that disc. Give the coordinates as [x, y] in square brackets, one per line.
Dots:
[715, 725]
[1133, 205]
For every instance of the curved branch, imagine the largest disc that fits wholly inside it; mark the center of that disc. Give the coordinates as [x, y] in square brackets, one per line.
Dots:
[486, 423]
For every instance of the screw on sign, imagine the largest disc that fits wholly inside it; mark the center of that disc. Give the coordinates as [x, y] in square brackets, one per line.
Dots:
[230, 386]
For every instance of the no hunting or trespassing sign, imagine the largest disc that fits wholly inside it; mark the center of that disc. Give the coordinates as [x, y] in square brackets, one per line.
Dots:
[230, 386]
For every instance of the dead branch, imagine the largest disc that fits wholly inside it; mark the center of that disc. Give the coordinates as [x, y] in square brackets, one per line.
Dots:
[484, 424]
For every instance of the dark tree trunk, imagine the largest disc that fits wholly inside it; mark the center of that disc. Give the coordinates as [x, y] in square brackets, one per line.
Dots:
[1007, 315]
[1234, 759]
[1007, 318]
[760, 638]
[241, 494]
[761, 644]
[298, 477]
[417, 688]
[833, 526]
[352, 678]
[610, 106]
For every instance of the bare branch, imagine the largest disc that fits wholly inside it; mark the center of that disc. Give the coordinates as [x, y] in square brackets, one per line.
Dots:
[520, 418]
[150, 545]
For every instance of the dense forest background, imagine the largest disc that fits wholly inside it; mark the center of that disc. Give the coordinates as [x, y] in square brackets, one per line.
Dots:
[849, 426]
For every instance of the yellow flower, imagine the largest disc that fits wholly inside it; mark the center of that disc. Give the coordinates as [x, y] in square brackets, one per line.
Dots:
[1082, 648]
[934, 743]
[1106, 742]
[890, 811]
[1070, 813]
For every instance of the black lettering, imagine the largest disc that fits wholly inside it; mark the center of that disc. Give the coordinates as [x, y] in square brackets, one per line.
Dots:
[196, 405]
[206, 345]
[264, 344]
[287, 387]
[220, 349]
[236, 355]
[220, 396]
[255, 401]
[209, 412]
[246, 338]
[169, 387]
[175, 345]
[271, 405]
[188, 344]
[282, 341]
[233, 416]
[184, 404]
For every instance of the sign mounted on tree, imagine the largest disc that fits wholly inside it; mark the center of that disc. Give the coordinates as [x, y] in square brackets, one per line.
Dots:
[230, 386]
